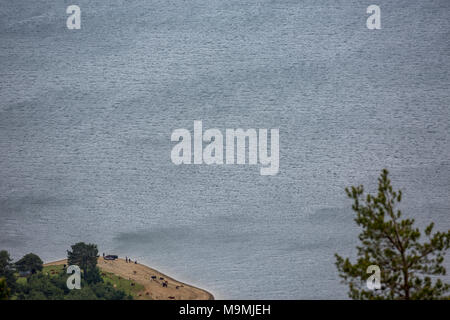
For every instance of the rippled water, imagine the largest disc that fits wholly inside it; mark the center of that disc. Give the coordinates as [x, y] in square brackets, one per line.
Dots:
[86, 118]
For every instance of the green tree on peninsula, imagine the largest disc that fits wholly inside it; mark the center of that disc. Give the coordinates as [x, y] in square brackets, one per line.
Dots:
[85, 256]
[409, 266]
[29, 262]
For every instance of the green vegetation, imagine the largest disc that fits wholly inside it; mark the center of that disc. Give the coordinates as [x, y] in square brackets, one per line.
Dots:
[409, 267]
[7, 270]
[129, 287]
[30, 262]
[85, 256]
[40, 286]
[4, 290]
[50, 282]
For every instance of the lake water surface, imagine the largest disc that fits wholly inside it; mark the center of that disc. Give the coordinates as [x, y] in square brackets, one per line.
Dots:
[86, 117]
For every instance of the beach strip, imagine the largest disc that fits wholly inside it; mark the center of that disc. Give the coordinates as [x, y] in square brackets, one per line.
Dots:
[157, 286]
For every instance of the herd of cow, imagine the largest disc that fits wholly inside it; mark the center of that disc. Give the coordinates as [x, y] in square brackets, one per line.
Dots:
[164, 283]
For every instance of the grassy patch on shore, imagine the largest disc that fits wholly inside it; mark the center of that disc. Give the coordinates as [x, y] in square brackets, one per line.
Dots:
[128, 286]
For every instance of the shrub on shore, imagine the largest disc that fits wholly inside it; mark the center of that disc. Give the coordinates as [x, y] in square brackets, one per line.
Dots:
[29, 263]
[50, 283]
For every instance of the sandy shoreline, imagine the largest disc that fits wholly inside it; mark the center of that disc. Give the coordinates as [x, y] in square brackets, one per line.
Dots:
[153, 288]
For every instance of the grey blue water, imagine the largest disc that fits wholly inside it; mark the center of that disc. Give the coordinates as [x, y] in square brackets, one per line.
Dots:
[86, 117]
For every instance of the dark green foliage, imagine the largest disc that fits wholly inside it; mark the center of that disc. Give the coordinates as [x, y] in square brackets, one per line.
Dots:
[85, 293]
[4, 290]
[93, 276]
[107, 290]
[7, 270]
[83, 255]
[29, 262]
[409, 267]
[44, 287]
